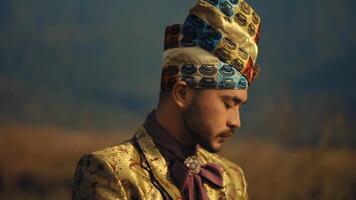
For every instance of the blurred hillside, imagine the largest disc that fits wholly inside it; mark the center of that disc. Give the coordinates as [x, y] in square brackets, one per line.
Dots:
[40, 164]
[94, 64]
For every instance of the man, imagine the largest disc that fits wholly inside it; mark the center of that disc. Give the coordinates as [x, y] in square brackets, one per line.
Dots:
[208, 64]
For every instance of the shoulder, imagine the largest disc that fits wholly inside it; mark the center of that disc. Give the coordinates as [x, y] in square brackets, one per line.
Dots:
[110, 160]
[115, 160]
[98, 174]
[233, 174]
[119, 157]
[117, 153]
[108, 173]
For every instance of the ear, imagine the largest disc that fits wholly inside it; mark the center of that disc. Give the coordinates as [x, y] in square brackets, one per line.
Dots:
[182, 94]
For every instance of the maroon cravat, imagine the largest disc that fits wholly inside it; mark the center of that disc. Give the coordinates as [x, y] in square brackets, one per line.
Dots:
[191, 184]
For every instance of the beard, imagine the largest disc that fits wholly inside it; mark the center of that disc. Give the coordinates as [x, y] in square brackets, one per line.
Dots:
[198, 129]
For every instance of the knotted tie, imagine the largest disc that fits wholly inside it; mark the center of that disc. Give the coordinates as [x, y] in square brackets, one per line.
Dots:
[189, 178]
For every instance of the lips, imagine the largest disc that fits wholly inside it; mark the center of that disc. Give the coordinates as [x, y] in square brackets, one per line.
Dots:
[226, 134]
[223, 137]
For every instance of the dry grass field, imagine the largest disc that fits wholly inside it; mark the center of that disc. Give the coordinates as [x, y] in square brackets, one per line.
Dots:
[39, 162]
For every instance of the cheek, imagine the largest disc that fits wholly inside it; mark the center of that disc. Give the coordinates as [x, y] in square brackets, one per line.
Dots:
[214, 117]
[212, 108]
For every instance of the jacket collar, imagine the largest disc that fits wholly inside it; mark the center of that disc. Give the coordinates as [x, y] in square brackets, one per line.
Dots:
[157, 163]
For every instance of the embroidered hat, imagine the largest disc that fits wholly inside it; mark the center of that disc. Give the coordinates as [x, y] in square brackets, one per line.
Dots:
[216, 47]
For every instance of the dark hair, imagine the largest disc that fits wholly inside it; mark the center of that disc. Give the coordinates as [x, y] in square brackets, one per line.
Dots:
[164, 94]
[168, 80]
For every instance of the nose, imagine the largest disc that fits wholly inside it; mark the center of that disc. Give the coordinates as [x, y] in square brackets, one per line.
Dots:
[234, 120]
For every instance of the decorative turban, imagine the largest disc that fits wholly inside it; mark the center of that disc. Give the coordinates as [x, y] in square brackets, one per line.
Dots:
[215, 47]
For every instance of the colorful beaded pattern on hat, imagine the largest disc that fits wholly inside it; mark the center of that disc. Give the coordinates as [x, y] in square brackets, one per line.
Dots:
[208, 76]
[237, 13]
[196, 32]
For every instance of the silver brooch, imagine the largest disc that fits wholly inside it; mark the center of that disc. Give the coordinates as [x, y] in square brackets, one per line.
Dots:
[193, 164]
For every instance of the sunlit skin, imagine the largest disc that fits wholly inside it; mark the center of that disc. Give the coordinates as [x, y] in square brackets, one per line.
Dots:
[207, 117]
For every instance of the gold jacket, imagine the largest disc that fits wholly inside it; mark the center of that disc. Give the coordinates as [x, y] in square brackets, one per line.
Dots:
[137, 170]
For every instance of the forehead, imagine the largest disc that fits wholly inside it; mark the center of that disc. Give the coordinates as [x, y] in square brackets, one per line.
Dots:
[212, 94]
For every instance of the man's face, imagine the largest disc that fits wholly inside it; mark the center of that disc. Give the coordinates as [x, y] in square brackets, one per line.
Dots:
[213, 115]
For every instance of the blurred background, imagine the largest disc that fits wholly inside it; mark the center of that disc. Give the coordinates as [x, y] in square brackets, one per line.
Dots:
[77, 76]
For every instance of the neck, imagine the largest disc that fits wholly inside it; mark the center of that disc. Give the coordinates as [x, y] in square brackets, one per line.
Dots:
[171, 120]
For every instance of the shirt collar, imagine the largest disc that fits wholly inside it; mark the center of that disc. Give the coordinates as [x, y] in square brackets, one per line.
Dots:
[165, 141]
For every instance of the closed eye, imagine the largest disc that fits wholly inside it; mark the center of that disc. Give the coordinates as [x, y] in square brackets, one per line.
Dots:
[230, 102]
[227, 105]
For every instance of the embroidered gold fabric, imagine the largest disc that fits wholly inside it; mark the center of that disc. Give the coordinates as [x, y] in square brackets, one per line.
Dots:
[119, 172]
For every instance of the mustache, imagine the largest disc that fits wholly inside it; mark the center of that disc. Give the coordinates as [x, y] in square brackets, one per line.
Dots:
[227, 132]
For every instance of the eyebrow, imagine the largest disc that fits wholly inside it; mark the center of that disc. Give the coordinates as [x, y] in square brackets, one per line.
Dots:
[235, 99]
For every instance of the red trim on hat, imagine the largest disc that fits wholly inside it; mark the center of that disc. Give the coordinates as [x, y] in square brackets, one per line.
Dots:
[257, 37]
[249, 71]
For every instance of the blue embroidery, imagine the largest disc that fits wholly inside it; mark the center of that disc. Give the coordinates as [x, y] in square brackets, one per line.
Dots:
[207, 70]
[242, 83]
[196, 32]
[225, 6]
[227, 83]
[188, 69]
[207, 82]
[227, 70]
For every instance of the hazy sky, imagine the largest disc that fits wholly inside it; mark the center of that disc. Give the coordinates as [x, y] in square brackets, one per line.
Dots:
[89, 63]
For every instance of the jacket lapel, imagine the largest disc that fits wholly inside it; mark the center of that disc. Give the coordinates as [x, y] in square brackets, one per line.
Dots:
[156, 163]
